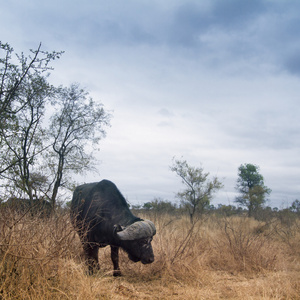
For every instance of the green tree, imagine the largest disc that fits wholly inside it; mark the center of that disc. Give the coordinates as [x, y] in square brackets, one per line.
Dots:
[226, 210]
[162, 206]
[199, 189]
[147, 206]
[295, 207]
[250, 185]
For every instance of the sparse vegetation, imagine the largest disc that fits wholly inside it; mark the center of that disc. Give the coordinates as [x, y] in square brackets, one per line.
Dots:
[232, 257]
[201, 252]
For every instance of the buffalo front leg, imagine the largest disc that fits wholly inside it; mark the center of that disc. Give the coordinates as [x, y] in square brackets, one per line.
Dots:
[91, 253]
[115, 260]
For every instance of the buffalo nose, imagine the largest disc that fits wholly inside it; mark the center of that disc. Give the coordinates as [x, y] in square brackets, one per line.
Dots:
[150, 260]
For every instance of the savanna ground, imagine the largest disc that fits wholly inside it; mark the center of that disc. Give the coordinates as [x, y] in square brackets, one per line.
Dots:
[216, 258]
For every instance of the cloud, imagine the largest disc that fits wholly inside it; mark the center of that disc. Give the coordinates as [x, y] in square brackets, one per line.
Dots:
[235, 14]
[254, 32]
[165, 113]
[213, 81]
[292, 63]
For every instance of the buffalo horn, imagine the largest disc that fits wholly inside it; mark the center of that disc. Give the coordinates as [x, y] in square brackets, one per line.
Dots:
[137, 230]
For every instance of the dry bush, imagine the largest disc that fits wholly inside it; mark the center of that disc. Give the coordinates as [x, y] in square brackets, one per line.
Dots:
[31, 251]
[288, 233]
[245, 245]
[235, 258]
[233, 244]
[180, 249]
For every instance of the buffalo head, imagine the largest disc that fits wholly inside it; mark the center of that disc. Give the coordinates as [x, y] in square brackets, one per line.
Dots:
[136, 240]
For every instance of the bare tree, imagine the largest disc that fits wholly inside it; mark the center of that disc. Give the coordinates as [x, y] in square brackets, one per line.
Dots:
[199, 189]
[24, 140]
[77, 125]
[38, 160]
[18, 74]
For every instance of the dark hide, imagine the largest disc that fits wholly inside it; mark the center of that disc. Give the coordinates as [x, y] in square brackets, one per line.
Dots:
[100, 213]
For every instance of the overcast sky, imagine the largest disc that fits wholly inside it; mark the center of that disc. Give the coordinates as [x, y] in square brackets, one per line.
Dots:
[214, 82]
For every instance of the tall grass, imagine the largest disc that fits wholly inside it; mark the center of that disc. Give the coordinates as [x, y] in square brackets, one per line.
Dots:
[233, 257]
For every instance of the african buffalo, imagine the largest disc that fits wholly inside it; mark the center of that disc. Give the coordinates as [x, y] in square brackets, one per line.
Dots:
[101, 216]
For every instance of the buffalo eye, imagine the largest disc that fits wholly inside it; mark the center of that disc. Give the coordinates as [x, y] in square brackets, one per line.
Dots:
[117, 228]
[145, 242]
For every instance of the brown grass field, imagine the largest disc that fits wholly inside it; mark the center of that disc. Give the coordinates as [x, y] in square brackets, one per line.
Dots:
[216, 258]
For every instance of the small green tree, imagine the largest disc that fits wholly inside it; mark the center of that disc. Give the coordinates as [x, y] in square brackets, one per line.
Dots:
[199, 189]
[147, 206]
[227, 210]
[295, 207]
[162, 206]
[250, 185]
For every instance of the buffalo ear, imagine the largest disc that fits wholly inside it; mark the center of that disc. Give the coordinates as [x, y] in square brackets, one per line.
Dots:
[117, 228]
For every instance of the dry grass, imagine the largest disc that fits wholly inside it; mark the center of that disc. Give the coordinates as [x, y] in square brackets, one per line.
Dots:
[216, 258]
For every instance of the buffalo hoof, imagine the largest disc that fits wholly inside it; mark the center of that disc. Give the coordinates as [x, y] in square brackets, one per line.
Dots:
[117, 273]
[92, 270]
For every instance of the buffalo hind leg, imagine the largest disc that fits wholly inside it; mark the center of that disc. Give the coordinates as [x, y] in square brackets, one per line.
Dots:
[91, 252]
[115, 260]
